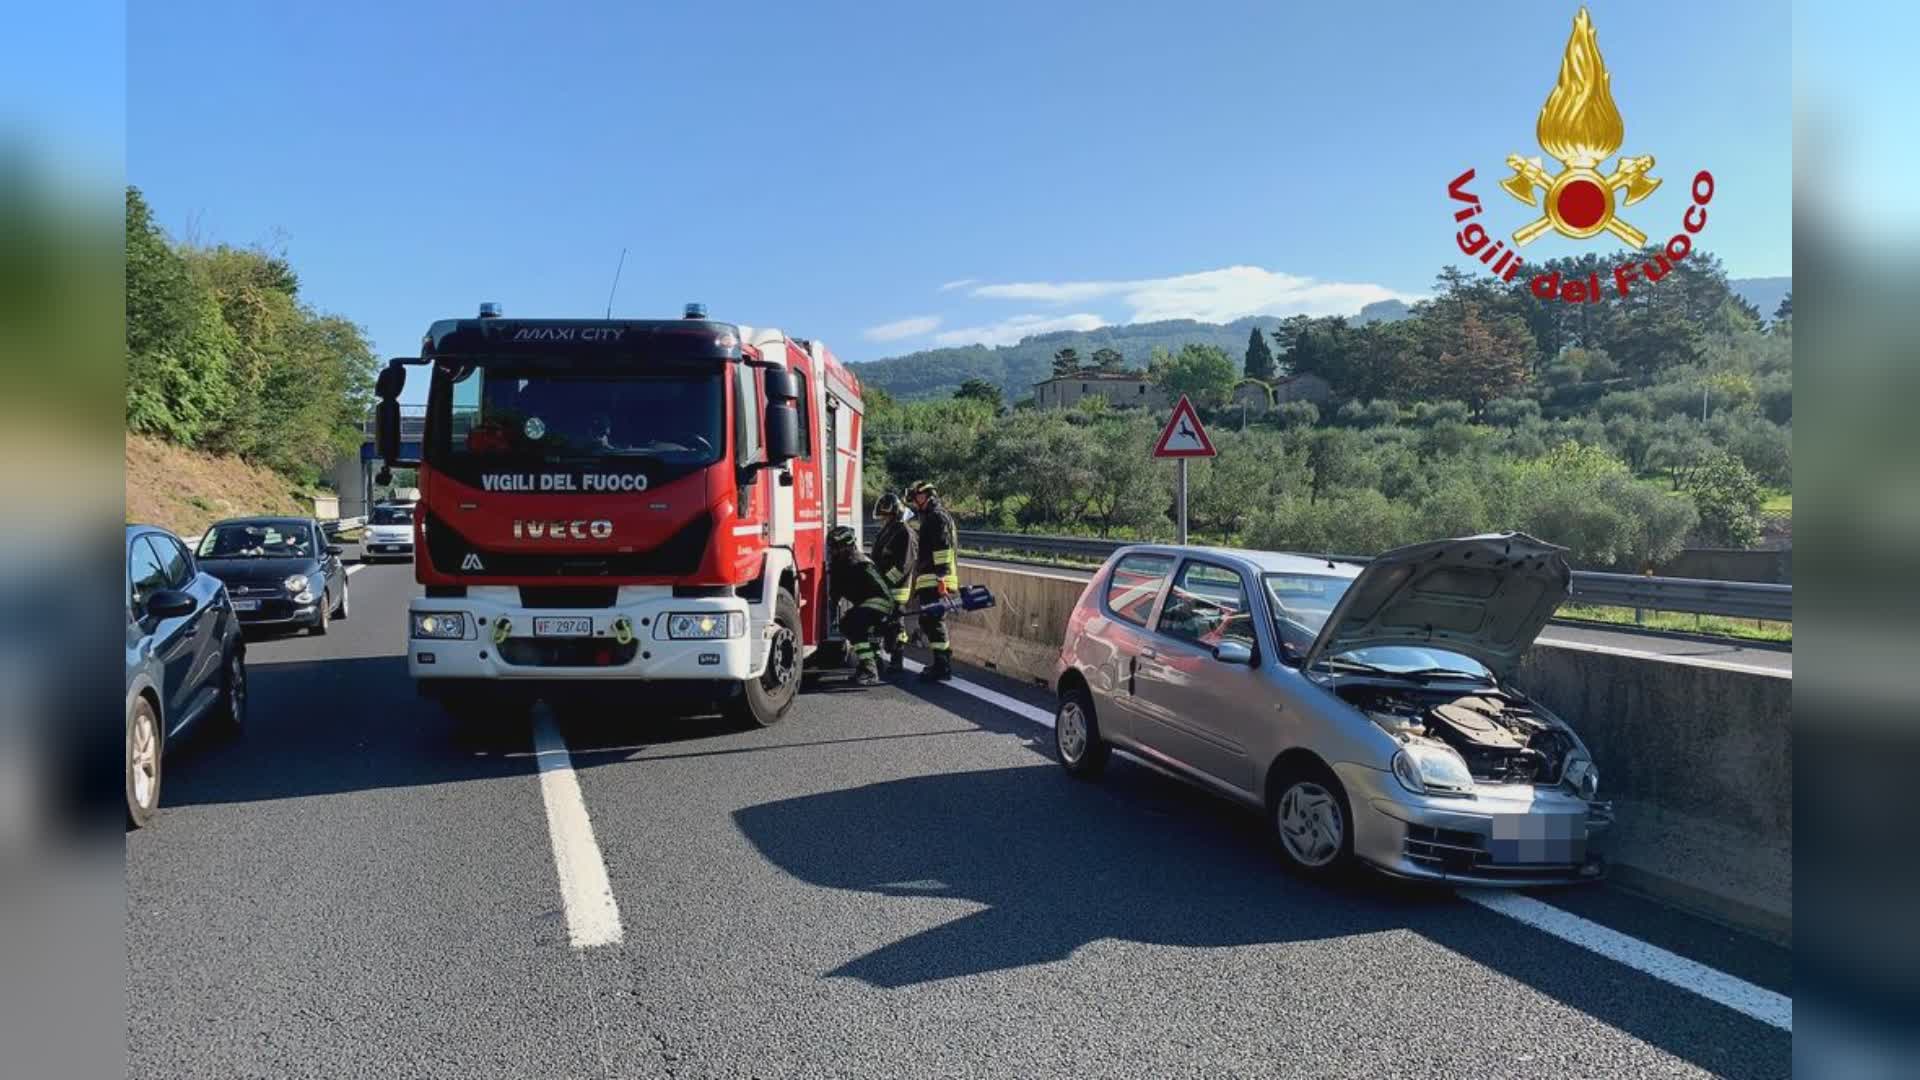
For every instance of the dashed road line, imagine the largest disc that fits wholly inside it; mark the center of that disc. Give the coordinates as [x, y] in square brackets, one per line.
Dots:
[1766, 1006]
[593, 918]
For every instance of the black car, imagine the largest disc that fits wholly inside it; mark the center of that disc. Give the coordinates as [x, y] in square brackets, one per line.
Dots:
[280, 572]
[186, 659]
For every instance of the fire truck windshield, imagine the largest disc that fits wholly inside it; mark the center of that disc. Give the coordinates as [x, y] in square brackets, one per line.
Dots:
[487, 415]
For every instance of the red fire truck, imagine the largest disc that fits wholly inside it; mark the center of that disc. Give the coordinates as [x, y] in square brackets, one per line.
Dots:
[622, 501]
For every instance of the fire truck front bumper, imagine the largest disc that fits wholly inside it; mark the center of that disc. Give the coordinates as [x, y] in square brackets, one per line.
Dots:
[649, 637]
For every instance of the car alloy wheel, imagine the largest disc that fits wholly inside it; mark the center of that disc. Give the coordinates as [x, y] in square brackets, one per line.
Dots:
[1070, 729]
[143, 763]
[1311, 823]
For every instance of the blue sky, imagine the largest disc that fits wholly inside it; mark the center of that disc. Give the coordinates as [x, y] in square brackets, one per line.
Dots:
[887, 180]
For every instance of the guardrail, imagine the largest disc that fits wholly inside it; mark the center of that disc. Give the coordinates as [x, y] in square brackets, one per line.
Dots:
[1734, 599]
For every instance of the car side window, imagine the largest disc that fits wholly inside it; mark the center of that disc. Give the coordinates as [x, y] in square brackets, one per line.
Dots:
[1208, 605]
[1134, 586]
[145, 574]
[173, 561]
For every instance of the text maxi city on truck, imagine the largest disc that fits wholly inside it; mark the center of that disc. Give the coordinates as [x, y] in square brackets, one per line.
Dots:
[607, 500]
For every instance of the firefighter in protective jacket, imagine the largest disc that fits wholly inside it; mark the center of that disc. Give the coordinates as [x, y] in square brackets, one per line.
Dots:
[893, 550]
[851, 577]
[936, 572]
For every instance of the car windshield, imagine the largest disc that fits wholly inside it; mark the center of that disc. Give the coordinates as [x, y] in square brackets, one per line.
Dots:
[494, 414]
[1301, 605]
[391, 515]
[258, 540]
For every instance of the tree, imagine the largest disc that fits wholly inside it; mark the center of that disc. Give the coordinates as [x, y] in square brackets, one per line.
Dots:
[1203, 373]
[1066, 361]
[177, 345]
[1785, 310]
[1129, 488]
[1106, 359]
[1473, 358]
[981, 390]
[1727, 498]
[1259, 360]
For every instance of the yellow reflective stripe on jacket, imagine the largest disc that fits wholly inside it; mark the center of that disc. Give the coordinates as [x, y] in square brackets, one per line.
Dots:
[894, 574]
[943, 559]
[901, 595]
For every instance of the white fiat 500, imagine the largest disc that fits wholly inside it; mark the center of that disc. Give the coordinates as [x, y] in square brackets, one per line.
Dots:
[1365, 710]
[389, 532]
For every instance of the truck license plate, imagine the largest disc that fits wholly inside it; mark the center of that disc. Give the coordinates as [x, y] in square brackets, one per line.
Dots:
[563, 626]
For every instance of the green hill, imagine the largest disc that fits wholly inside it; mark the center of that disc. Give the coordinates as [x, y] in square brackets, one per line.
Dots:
[1015, 368]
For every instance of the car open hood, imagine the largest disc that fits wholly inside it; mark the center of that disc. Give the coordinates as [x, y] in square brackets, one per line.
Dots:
[1484, 596]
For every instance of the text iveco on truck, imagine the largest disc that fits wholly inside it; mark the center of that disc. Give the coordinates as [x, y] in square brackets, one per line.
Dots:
[624, 500]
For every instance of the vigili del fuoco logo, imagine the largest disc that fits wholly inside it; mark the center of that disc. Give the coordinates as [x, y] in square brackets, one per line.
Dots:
[1580, 127]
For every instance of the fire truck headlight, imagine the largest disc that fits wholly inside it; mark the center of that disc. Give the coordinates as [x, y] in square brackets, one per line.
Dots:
[706, 625]
[439, 624]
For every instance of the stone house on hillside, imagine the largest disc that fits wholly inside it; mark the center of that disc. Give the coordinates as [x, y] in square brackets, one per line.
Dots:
[1122, 389]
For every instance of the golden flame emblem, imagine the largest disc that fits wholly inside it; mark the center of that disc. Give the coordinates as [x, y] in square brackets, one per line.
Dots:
[1581, 127]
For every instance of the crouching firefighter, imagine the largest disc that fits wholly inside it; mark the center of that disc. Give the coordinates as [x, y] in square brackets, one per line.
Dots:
[893, 550]
[936, 573]
[851, 576]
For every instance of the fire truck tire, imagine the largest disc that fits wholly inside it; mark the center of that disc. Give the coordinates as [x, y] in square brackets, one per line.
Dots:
[764, 702]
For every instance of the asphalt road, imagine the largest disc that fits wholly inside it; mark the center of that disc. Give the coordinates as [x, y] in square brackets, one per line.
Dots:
[896, 882]
[1682, 649]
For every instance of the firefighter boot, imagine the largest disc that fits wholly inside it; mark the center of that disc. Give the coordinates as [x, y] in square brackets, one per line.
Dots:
[868, 673]
[941, 670]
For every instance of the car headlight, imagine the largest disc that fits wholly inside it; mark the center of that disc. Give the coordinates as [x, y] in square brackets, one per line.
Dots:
[1432, 770]
[439, 624]
[1581, 776]
[706, 625]
[297, 583]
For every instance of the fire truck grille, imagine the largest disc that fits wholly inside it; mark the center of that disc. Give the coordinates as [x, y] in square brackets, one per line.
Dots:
[680, 553]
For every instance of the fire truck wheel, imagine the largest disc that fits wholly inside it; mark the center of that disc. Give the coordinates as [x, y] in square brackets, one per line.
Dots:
[763, 702]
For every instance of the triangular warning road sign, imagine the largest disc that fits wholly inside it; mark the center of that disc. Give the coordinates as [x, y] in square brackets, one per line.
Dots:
[1184, 436]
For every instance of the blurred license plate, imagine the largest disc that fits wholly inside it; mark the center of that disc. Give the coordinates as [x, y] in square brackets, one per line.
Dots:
[563, 626]
[1538, 838]
[246, 605]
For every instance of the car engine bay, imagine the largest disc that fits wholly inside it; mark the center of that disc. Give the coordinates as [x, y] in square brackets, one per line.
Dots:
[1502, 738]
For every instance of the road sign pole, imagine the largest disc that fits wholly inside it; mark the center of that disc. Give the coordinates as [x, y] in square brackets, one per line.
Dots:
[1183, 502]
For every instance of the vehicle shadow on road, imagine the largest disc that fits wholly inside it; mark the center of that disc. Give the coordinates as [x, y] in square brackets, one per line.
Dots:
[1139, 857]
[324, 727]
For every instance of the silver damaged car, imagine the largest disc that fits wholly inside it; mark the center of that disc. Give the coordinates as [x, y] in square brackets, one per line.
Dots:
[1365, 710]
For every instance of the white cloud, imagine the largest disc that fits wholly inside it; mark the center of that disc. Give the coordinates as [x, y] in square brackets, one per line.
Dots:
[961, 284]
[902, 328]
[1010, 331]
[1216, 296]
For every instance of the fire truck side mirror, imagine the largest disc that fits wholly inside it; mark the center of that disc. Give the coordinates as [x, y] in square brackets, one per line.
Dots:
[783, 415]
[386, 428]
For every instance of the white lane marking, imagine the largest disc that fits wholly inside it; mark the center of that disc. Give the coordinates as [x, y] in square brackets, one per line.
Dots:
[1739, 995]
[993, 697]
[356, 568]
[592, 916]
[1670, 658]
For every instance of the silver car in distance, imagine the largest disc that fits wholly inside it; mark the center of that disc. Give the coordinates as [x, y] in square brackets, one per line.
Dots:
[1365, 710]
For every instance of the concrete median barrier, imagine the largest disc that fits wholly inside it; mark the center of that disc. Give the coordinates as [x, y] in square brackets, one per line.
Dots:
[1697, 755]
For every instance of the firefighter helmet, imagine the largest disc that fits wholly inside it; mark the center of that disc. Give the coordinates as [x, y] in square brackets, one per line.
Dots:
[841, 536]
[887, 505]
[923, 487]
